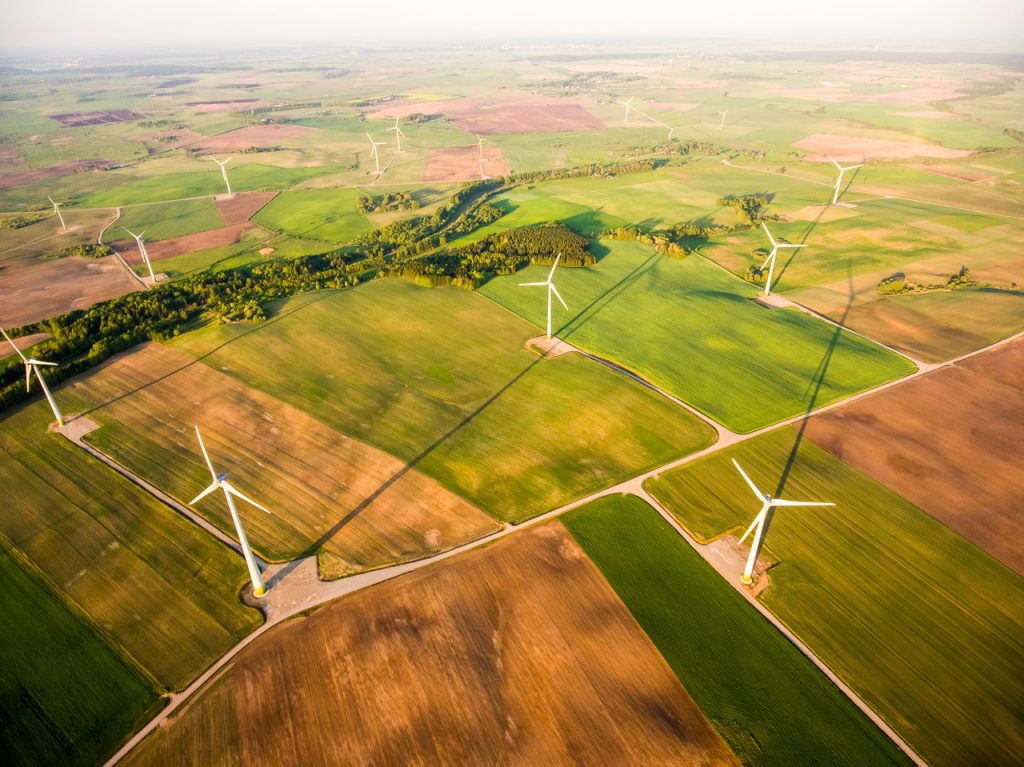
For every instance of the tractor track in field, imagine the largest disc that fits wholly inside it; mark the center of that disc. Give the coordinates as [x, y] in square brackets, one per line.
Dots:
[296, 587]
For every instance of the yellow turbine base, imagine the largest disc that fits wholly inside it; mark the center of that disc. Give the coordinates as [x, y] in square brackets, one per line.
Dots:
[260, 592]
[744, 579]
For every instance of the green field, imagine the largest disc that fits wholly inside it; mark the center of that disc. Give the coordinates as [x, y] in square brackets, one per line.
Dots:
[322, 214]
[159, 587]
[66, 697]
[694, 330]
[440, 377]
[769, 703]
[925, 626]
[165, 220]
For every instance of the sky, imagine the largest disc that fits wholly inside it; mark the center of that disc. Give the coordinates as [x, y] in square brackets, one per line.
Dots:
[85, 25]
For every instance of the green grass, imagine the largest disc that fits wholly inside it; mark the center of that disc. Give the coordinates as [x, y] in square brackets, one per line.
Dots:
[769, 703]
[165, 220]
[440, 376]
[323, 214]
[925, 626]
[694, 329]
[162, 589]
[66, 696]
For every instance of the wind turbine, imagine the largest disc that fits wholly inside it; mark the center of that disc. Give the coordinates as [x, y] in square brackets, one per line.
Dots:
[145, 255]
[760, 524]
[56, 209]
[480, 143]
[771, 258]
[259, 587]
[551, 290]
[721, 125]
[670, 132]
[839, 181]
[398, 136]
[223, 171]
[373, 151]
[626, 104]
[33, 365]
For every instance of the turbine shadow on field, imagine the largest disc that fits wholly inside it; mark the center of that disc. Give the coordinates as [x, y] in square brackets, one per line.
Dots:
[803, 241]
[814, 387]
[584, 315]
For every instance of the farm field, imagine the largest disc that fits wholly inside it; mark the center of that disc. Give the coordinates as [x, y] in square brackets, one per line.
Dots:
[320, 486]
[923, 624]
[322, 214]
[694, 330]
[964, 471]
[48, 652]
[159, 588]
[432, 375]
[162, 221]
[518, 653]
[726, 655]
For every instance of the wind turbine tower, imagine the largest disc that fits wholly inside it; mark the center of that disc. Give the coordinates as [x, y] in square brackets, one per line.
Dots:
[32, 365]
[839, 181]
[373, 151]
[144, 254]
[480, 143]
[224, 171]
[56, 209]
[723, 113]
[626, 104]
[552, 290]
[220, 481]
[398, 136]
[760, 524]
[770, 261]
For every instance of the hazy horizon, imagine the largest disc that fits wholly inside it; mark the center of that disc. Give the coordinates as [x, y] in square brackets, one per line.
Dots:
[117, 26]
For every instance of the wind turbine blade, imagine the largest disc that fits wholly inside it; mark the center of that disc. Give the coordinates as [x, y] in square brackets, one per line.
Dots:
[758, 493]
[531, 284]
[769, 233]
[34, 361]
[230, 488]
[841, 168]
[554, 290]
[853, 167]
[203, 494]
[206, 455]
[751, 528]
[28, 377]
[130, 232]
[791, 245]
[779, 502]
[8, 339]
[553, 266]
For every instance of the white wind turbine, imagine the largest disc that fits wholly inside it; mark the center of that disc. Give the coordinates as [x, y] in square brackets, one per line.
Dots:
[480, 143]
[670, 132]
[224, 171]
[771, 258]
[723, 113]
[760, 524]
[551, 290]
[839, 181]
[259, 587]
[32, 365]
[627, 104]
[373, 151]
[398, 136]
[56, 209]
[142, 251]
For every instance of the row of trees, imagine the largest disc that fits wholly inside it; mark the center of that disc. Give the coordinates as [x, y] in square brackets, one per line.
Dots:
[506, 252]
[387, 202]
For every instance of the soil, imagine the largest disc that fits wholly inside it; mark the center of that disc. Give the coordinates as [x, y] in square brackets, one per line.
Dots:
[855, 149]
[23, 342]
[179, 246]
[242, 206]
[462, 163]
[515, 654]
[488, 117]
[949, 442]
[54, 171]
[252, 135]
[1003, 365]
[76, 119]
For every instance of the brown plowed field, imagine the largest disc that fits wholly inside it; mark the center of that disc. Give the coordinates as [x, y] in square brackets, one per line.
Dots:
[855, 149]
[76, 119]
[950, 442]
[487, 116]
[1004, 365]
[462, 163]
[515, 654]
[310, 476]
[224, 105]
[65, 169]
[243, 206]
[252, 135]
[179, 246]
